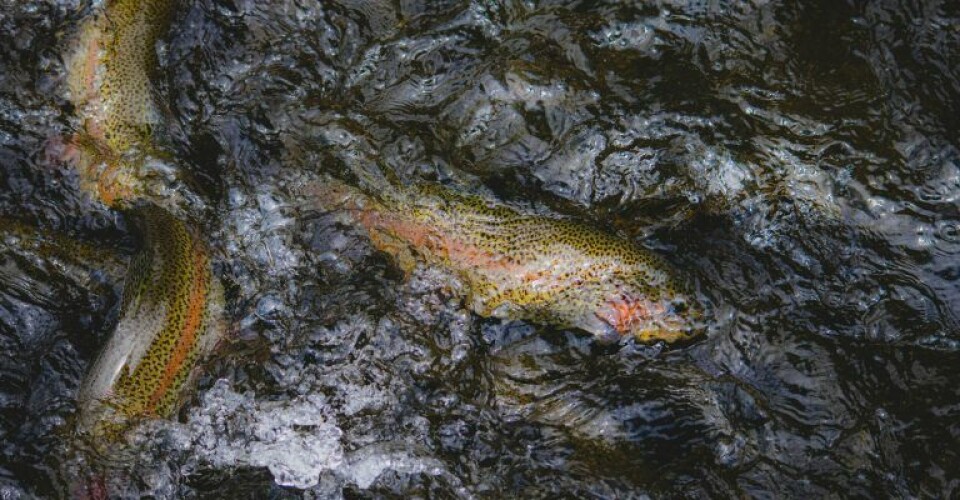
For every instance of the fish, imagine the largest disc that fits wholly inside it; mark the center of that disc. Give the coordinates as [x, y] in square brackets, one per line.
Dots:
[170, 319]
[172, 303]
[520, 265]
[110, 75]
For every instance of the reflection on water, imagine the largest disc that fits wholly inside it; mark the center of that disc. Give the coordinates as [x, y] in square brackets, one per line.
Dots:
[798, 160]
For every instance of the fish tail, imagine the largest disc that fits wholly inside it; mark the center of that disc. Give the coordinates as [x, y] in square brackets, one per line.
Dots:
[31, 255]
[333, 195]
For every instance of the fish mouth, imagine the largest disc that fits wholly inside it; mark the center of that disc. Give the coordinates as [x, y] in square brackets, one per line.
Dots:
[669, 330]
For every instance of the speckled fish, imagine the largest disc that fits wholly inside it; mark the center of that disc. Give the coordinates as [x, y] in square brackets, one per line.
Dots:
[171, 304]
[169, 320]
[525, 266]
[109, 77]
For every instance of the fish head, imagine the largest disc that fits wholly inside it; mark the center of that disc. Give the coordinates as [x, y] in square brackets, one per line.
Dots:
[671, 317]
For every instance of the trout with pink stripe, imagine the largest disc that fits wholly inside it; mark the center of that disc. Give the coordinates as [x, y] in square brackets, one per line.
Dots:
[110, 75]
[525, 266]
[169, 320]
[172, 302]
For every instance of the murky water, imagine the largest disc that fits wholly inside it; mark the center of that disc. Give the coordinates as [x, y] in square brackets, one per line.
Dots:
[797, 160]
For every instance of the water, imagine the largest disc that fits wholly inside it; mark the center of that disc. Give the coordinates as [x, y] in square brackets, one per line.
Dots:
[798, 160]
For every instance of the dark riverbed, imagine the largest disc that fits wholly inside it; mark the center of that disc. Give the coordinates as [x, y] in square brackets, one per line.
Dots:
[798, 161]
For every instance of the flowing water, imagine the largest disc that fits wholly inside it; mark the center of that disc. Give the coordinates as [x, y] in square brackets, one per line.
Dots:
[797, 160]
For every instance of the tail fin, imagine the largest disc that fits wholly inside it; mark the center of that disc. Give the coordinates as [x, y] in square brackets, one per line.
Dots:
[46, 266]
[328, 194]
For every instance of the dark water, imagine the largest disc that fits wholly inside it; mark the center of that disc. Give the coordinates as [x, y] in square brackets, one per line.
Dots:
[797, 160]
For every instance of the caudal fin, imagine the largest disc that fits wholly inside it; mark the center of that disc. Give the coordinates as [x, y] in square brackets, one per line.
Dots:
[327, 194]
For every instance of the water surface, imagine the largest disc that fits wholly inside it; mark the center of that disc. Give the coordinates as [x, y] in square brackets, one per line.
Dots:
[798, 161]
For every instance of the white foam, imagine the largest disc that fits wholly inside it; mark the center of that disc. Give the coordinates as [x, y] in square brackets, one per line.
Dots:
[296, 440]
[365, 465]
[627, 36]
[261, 229]
[11, 492]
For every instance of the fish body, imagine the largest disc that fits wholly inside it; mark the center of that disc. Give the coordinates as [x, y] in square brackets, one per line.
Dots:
[171, 303]
[110, 76]
[526, 266]
[169, 320]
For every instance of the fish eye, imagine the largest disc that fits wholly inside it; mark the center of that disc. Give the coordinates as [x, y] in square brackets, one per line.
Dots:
[679, 306]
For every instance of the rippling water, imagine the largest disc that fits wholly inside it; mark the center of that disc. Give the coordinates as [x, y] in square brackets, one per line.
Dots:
[798, 160]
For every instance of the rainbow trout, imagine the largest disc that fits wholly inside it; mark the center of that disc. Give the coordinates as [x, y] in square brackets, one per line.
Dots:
[169, 320]
[109, 78]
[172, 303]
[525, 266]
